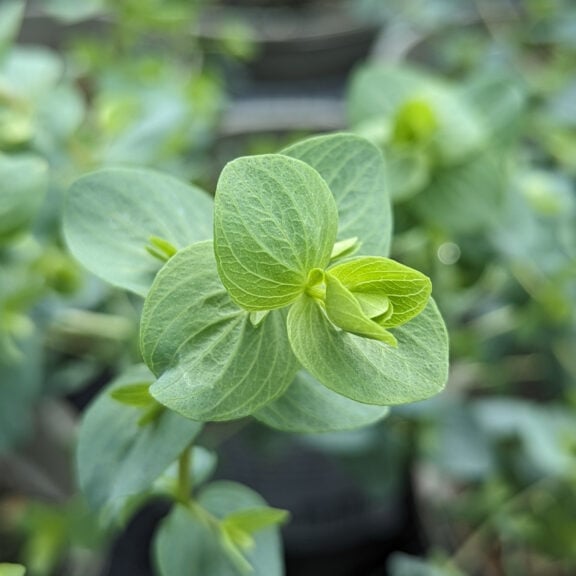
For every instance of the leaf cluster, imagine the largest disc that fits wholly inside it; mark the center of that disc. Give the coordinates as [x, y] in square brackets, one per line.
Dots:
[285, 285]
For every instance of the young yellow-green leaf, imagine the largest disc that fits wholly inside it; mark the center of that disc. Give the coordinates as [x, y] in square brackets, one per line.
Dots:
[186, 545]
[161, 248]
[117, 457]
[366, 370]
[212, 362]
[407, 289]
[253, 520]
[376, 306]
[355, 172]
[274, 220]
[235, 543]
[113, 217]
[345, 311]
[309, 407]
[414, 124]
[133, 395]
[345, 248]
[12, 569]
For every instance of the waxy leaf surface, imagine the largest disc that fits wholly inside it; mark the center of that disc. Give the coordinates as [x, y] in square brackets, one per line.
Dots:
[212, 362]
[111, 215]
[367, 370]
[355, 172]
[308, 406]
[275, 220]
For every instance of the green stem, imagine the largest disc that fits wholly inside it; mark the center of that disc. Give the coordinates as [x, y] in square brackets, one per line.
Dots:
[184, 489]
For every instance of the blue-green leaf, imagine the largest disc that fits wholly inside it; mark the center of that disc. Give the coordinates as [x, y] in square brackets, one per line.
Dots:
[23, 182]
[112, 216]
[117, 457]
[275, 220]
[366, 370]
[213, 363]
[355, 172]
[309, 407]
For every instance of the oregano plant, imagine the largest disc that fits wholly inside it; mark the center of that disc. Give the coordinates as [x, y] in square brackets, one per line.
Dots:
[276, 301]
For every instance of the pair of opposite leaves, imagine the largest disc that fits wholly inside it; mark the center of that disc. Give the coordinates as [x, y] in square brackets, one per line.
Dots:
[275, 245]
[275, 230]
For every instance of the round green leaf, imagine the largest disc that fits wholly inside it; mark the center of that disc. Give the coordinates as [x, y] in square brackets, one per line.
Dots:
[186, 545]
[275, 220]
[355, 172]
[309, 407]
[368, 370]
[111, 215]
[213, 363]
[117, 455]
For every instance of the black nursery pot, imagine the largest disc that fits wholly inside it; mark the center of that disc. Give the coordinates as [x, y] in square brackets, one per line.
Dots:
[338, 527]
[296, 41]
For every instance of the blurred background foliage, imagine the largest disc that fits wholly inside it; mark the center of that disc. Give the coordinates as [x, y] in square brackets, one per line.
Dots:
[473, 104]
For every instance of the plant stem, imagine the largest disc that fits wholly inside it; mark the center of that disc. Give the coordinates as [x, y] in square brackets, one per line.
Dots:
[184, 480]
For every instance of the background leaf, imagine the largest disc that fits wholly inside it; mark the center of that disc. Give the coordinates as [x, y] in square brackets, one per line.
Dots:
[377, 94]
[275, 220]
[212, 362]
[308, 406]
[367, 370]
[500, 96]
[355, 172]
[12, 570]
[118, 458]
[20, 386]
[11, 13]
[110, 216]
[184, 545]
[23, 182]
[464, 198]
